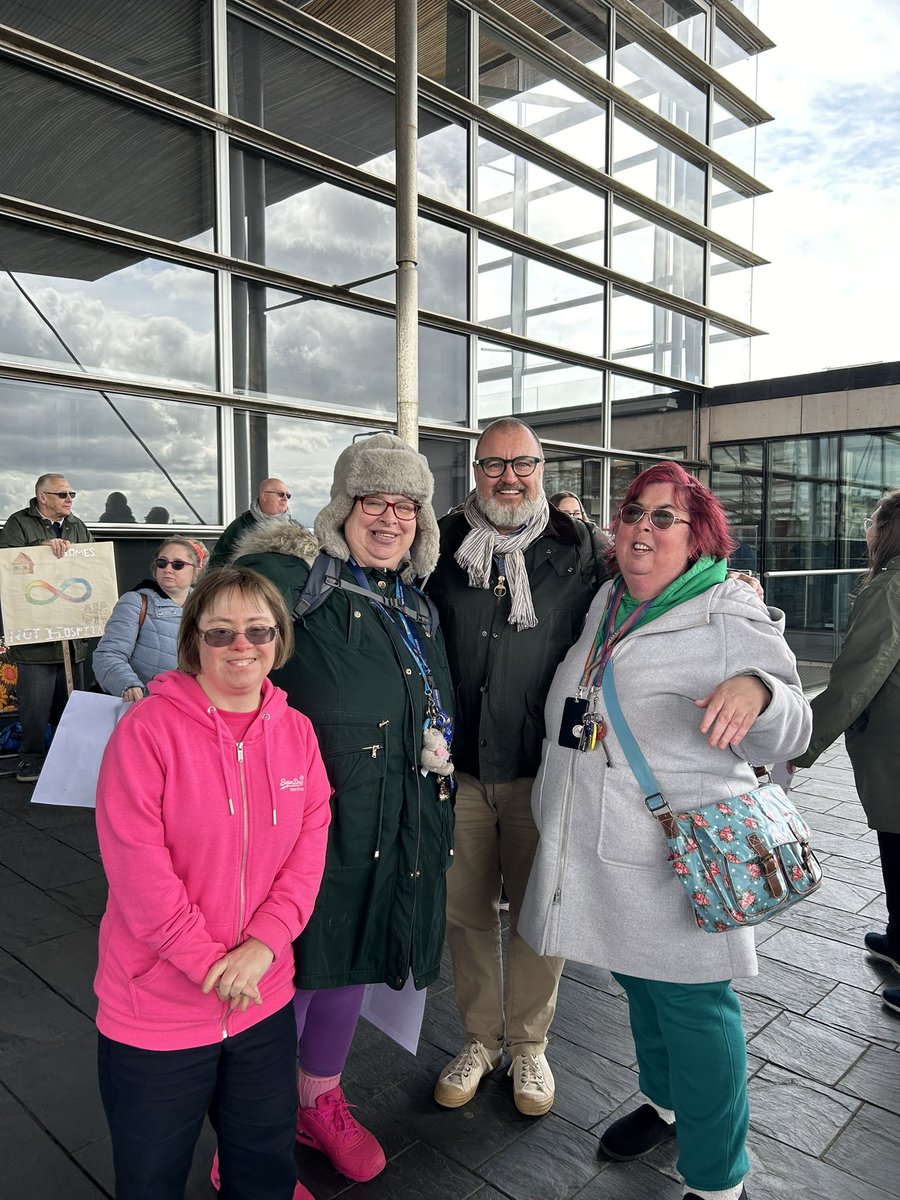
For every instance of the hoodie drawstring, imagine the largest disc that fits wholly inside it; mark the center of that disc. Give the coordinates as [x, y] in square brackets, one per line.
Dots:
[224, 752]
[273, 782]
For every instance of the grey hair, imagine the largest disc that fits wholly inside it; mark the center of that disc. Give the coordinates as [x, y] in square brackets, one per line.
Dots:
[43, 480]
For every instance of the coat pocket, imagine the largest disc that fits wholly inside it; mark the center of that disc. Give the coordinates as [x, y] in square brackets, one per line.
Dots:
[355, 756]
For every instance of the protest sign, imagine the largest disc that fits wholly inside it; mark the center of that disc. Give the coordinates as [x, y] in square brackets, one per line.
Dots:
[49, 599]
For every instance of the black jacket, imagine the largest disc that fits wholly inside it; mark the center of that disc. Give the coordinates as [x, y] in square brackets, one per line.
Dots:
[502, 674]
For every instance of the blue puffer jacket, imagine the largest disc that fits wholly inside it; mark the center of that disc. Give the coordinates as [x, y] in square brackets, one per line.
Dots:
[130, 656]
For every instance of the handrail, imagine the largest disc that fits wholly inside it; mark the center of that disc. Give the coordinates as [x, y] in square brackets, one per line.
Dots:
[826, 571]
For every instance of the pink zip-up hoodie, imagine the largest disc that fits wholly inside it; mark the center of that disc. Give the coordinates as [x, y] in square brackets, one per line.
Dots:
[205, 842]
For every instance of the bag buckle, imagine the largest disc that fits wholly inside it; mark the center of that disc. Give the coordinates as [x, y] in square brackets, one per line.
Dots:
[769, 866]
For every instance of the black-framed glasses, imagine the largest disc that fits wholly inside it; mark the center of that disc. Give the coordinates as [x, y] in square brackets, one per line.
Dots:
[404, 510]
[256, 635]
[177, 564]
[280, 495]
[523, 466]
[660, 518]
[62, 495]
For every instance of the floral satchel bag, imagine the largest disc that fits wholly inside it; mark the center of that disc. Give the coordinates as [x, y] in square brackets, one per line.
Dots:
[741, 860]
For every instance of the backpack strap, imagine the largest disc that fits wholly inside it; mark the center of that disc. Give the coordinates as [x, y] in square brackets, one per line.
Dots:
[325, 574]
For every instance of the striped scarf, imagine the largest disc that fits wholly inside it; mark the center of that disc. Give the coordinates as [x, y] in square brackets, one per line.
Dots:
[478, 548]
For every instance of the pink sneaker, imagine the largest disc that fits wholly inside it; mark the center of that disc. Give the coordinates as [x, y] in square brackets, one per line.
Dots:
[300, 1192]
[329, 1127]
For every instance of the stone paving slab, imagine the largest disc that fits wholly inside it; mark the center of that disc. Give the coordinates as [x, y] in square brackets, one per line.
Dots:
[824, 1053]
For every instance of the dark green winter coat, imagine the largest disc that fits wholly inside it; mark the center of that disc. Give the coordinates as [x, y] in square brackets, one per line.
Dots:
[28, 527]
[224, 547]
[863, 700]
[380, 911]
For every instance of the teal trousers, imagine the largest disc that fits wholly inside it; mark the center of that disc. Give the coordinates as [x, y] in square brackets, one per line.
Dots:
[692, 1058]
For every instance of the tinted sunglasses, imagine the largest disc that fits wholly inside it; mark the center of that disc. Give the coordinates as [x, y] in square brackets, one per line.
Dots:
[280, 495]
[177, 564]
[62, 495]
[660, 518]
[256, 635]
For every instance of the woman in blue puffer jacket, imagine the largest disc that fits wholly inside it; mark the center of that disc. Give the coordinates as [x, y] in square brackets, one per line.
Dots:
[141, 635]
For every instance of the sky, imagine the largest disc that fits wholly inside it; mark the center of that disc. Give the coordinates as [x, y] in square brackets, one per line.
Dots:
[832, 159]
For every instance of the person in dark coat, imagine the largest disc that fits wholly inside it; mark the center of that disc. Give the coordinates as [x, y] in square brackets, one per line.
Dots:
[570, 504]
[862, 701]
[374, 681]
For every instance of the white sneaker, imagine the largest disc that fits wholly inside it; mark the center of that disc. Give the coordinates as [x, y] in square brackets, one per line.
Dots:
[533, 1086]
[459, 1080]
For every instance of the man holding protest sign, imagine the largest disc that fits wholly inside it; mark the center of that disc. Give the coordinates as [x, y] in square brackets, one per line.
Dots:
[42, 689]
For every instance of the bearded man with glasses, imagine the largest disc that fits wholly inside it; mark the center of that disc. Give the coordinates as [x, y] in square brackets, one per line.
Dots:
[270, 507]
[513, 583]
[41, 687]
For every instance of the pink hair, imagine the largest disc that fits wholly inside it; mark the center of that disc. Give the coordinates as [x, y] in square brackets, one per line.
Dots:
[709, 522]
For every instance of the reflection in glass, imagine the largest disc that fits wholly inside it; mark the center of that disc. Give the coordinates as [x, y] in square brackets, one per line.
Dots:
[654, 83]
[165, 42]
[300, 222]
[522, 91]
[309, 350]
[511, 382]
[734, 137]
[730, 286]
[583, 35]
[651, 254]
[735, 62]
[517, 193]
[160, 453]
[654, 338]
[443, 29]
[527, 297]
[655, 171]
[71, 302]
[145, 172]
[737, 480]
[681, 18]
[729, 357]
[731, 212]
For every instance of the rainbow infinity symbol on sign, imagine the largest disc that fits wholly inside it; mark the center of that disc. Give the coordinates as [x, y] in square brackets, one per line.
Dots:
[36, 584]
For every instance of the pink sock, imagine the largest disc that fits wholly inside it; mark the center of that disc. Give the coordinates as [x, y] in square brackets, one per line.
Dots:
[311, 1087]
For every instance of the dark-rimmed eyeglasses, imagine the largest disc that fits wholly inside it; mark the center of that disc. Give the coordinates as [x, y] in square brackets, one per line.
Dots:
[660, 518]
[177, 564]
[403, 510]
[61, 495]
[256, 635]
[523, 466]
[280, 495]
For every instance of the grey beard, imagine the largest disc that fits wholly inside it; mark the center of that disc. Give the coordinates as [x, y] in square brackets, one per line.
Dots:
[500, 514]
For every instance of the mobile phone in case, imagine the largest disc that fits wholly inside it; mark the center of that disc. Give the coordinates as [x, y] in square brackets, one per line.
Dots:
[571, 726]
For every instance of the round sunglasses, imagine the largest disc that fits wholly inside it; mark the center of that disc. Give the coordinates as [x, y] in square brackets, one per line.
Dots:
[256, 635]
[660, 518]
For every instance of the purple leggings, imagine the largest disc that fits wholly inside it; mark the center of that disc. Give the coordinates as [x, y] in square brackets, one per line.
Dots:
[326, 1022]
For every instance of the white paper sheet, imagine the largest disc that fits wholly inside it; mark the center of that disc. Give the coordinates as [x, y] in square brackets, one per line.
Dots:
[398, 1014]
[782, 773]
[70, 770]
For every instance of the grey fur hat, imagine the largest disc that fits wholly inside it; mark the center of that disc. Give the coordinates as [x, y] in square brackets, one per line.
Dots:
[381, 463]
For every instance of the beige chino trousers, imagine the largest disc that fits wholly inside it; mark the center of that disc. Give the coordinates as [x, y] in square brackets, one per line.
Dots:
[496, 838]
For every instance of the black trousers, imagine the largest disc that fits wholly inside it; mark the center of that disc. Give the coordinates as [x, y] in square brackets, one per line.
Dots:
[889, 848]
[156, 1100]
[42, 696]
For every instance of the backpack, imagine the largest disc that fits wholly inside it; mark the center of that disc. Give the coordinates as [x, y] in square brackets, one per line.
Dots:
[325, 574]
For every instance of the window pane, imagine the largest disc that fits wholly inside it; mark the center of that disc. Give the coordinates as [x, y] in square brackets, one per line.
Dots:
[730, 287]
[735, 62]
[870, 465]
[729, 357]
[165, 42]
[657, 172]
[682, 18]
[443, 33]
[649, 253]
[732, 213]
[583, 35]
[734, 138]
[517, 193]
[737, 480]
[522, 91]
[84, 434]
[655, 338]
[511, 382]
[309, 350]
[663, 90]
[534, 300]
[67, 301]
[145, 171]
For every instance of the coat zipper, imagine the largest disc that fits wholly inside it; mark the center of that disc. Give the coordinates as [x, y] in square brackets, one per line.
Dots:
[239, 748]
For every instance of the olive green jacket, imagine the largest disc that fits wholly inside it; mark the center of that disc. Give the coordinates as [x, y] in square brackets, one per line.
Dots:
[28, 527]
[863, 700]
[380, 910]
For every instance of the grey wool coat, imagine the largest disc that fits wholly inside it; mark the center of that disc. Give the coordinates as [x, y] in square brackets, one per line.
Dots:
[601, 890]
[863, 700]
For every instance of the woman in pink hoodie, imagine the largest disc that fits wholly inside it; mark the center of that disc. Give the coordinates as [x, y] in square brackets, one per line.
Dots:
[212, 815]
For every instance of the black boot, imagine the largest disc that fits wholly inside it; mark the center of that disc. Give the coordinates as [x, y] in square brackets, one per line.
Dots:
[635, 1135]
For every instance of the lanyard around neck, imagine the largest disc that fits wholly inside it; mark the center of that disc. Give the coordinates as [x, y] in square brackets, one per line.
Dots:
[608, 637]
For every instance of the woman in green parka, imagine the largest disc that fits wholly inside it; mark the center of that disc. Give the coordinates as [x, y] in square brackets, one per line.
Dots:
[370, 672]
[863, 700]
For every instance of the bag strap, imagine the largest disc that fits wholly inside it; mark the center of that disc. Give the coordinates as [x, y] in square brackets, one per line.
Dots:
[325, 574]
[143, 613]
[653, 796]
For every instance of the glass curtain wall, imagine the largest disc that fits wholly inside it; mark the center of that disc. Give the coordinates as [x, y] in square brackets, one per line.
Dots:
[197, 232]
